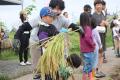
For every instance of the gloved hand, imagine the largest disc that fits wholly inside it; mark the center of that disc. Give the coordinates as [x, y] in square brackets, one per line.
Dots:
[78, 28]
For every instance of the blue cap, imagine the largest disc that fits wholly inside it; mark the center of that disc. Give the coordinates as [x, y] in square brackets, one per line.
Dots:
[46, 11]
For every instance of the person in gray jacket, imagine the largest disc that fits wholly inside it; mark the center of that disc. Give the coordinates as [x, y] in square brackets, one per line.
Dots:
[59, 21]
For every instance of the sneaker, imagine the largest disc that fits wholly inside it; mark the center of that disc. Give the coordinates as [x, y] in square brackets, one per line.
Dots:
[119, 55]
[22, 64]
[100, 75]
[104, 61]
[28, 63]
[103, 74]
[37, 77]
[97, 75]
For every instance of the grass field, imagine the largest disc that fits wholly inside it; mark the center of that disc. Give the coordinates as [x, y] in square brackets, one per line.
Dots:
[74, 37]
[8, 54]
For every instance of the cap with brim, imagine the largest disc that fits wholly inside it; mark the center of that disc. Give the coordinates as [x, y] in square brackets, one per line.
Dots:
[87, 6]
[46, 11]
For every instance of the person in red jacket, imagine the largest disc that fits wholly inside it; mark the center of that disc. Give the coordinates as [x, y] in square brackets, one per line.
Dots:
[87, 46]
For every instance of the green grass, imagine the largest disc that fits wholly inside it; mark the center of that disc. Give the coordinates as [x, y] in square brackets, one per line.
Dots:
[75, 42]
[11, 35]
[4, 77]
[8, 54]
[109, 42]
[74, 37]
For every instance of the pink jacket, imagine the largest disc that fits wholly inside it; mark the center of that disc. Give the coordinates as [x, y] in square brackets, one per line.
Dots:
[86, 43]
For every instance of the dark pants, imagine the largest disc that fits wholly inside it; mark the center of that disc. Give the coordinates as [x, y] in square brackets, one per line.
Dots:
[103, 36]
[23, 51]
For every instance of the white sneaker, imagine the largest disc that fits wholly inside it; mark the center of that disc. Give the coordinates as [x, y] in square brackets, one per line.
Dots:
[22, 64]
[28, 63]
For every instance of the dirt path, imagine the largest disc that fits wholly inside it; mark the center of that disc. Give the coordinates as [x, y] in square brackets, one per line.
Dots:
[108, 68]
[12, 69]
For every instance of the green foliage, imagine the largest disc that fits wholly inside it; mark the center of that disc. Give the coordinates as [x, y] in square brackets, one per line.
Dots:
[11, 34]
[109, 42]
[4, 77]
[75, 41]
[64, 72]
[8, 54]
[29, 9]
[2, 25]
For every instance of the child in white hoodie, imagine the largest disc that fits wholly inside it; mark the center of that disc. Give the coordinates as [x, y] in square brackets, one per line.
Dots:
[98, 48]
[116, 37]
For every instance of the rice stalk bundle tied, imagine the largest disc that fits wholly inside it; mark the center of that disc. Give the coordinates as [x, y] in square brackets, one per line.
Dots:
[53, 57]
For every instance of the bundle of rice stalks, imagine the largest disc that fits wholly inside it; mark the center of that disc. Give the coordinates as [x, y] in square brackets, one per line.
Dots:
[53, 57]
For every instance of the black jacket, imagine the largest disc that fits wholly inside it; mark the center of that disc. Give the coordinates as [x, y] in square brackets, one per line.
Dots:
[21, 35]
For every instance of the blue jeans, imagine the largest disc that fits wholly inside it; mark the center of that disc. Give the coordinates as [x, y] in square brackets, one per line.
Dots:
[96, 58]
[88, 59]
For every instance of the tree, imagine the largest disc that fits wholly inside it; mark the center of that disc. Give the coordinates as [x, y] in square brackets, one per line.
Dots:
[29, 9]
[2, 25]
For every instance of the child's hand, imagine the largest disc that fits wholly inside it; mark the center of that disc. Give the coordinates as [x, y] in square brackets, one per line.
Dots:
[100, 50]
